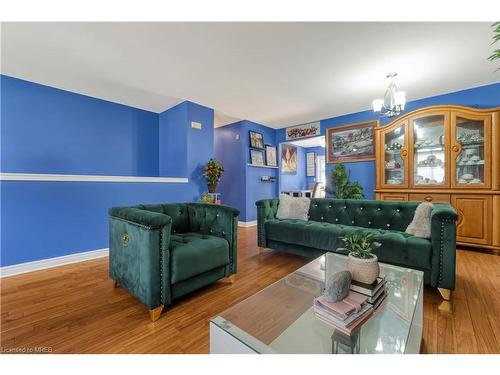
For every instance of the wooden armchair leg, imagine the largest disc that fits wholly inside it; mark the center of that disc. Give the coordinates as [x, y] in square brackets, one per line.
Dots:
[231, 278]
[155, 313]
[261, 250]
[116, 284]
[445, 306]
[445, 293]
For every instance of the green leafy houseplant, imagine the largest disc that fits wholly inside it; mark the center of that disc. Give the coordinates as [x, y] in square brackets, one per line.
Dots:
[360, 244]
[361, 262]
[213, 173]
[496, 38]
[342, 188]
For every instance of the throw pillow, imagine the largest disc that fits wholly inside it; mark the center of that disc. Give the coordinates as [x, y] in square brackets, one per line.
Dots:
[293, 208]
[421, 223]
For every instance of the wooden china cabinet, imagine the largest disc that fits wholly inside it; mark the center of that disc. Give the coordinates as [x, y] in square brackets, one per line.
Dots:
[446, 154]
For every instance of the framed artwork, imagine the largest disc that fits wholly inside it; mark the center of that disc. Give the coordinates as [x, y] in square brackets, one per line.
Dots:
[354, 142]
[257, 157]
[310, 164]
[303, 131]
[271, 158]
[288, 159]
[256, 139]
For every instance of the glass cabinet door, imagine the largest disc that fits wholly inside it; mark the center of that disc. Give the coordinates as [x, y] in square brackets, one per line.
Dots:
[429, 150]
[395, 153]
[470, 151]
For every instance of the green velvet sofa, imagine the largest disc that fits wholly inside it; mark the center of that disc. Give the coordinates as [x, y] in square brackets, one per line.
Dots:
[331, 219]
[160, 252]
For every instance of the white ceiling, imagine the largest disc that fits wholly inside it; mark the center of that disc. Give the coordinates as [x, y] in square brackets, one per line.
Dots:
[277, 74]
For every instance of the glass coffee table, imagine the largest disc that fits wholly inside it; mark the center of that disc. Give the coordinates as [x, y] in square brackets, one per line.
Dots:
[280, 318]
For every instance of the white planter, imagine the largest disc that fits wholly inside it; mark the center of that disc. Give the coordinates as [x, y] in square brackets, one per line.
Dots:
[363, 270]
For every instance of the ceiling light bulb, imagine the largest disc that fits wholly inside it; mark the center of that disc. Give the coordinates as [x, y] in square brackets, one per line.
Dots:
[400, 99]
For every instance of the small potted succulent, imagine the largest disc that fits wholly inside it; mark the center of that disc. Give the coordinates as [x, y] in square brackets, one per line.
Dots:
[213, 173]
[205, 198]
[362, 263]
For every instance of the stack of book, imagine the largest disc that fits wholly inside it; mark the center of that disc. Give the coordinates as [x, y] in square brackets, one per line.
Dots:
[345, 315]
[375, 292]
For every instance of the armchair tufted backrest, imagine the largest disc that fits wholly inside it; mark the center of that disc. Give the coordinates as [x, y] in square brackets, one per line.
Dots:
[177, 211]
[213, 219]
[392, 215]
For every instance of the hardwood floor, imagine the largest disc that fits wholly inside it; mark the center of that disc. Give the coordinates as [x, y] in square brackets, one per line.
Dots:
[75, 309]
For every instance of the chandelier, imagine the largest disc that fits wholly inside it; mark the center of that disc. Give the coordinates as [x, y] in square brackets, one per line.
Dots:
[394, 101]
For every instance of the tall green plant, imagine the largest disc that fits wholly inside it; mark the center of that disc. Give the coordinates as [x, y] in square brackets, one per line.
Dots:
[496, 38]
[342, 188]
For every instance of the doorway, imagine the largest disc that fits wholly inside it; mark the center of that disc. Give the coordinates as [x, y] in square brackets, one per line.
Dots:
[302, 167]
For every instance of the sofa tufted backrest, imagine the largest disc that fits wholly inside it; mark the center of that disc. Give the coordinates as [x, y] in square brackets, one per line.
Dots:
[392, 215]
[177, 211]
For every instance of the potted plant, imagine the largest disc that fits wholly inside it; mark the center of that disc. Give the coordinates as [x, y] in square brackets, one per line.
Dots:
[342, 188]
[213, 173]
[362, 263]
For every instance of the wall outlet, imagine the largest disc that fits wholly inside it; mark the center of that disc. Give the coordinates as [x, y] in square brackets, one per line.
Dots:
[195, 125]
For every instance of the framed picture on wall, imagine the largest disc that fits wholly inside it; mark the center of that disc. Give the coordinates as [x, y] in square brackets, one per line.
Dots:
[288, 159]
[354, 142]
[310, 164]
[271, 158]
[256, 139]
[257, 157]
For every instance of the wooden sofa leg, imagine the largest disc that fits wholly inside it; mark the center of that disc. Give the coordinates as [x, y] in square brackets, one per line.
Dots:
[155, 313]
[445, 293]
[116, 284]
[261, 250]
[231, 278]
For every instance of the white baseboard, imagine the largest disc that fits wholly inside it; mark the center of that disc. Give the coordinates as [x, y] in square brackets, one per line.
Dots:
[247, 224]
[42, 264]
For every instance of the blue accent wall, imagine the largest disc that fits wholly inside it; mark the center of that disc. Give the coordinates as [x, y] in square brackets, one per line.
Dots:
[230, 151]
[52, 131]
[255, 188]
[173, 159]
[183, 149]
[200, 143]
[364, 172]
[241, 184]
[47, 130]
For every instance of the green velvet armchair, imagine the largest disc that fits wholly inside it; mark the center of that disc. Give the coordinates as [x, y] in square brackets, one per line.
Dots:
[161, 252]
[330, 219]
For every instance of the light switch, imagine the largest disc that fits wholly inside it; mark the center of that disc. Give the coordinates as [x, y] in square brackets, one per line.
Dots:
[195, 125]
